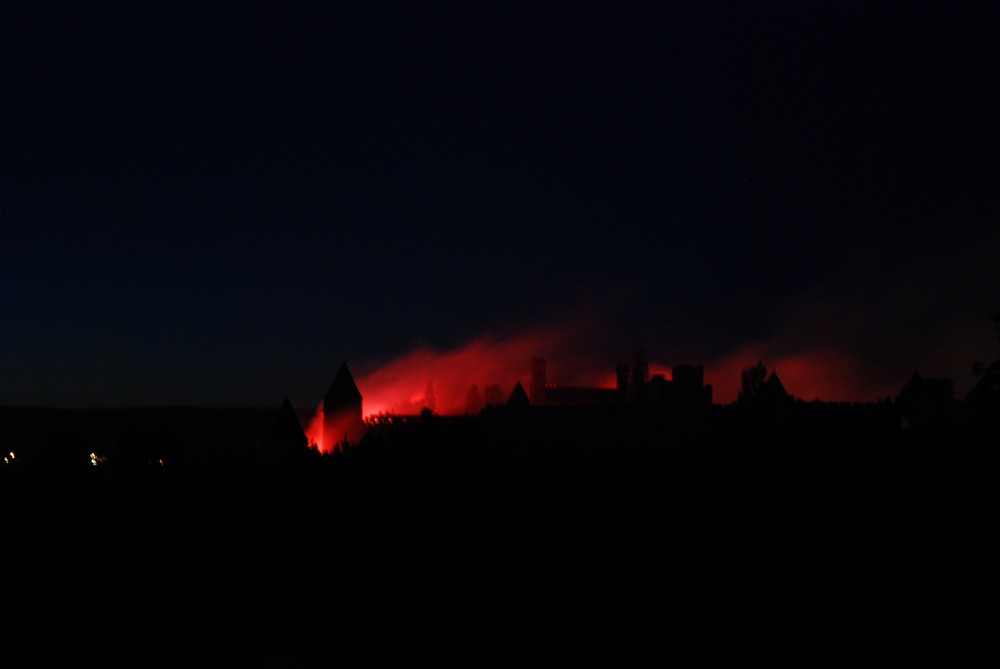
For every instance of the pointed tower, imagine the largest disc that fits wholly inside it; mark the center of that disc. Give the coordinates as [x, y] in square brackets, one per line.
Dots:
[342, 422]
[285, 442]
[518, 397]
[775, 387]
[772, 395]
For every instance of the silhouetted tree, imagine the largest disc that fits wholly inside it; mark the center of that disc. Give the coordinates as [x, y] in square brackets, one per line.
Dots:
[429, 401]
[494, 395]
[751, 382]
[473, 401]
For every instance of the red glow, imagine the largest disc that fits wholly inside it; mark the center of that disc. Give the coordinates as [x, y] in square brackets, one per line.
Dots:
[314, 432]
[440, 380]
[822, 374]
[328, 436]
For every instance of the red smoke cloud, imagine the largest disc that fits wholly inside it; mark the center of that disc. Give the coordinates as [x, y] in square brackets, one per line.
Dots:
[825, 374]
[441, 380]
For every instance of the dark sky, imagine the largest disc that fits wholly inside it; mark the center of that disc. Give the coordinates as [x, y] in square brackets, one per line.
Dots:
[218, 204]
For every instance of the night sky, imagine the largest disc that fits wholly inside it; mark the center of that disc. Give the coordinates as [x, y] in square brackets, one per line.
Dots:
[217, 205]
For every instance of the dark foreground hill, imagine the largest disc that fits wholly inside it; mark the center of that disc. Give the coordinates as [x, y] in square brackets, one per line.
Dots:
[488, 544]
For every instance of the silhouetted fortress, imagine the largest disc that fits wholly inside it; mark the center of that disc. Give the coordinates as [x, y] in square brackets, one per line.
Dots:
[634, 385]
[640, 408]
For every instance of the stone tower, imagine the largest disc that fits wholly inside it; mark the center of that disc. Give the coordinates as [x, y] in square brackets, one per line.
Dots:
[342, 422]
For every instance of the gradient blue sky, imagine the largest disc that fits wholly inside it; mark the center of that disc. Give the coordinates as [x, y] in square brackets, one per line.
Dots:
[216, 205]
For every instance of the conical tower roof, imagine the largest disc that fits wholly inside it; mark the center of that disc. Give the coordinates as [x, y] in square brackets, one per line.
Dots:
[775, 386]
[286, 430]
[518, 398]
[343, 391]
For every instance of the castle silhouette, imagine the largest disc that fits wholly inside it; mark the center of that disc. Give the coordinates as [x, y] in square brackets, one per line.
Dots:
[640, 408]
